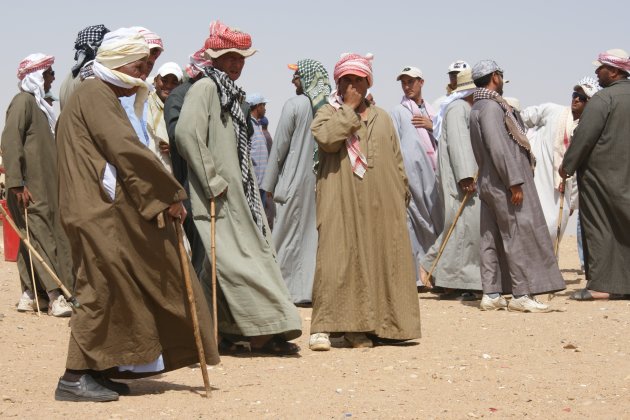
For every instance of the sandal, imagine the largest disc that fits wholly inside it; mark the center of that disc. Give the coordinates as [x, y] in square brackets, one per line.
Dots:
[277, 346]
[228, 348]
[585, 295]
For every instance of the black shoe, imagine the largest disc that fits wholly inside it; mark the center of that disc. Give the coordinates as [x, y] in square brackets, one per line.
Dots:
[85, 389]
[118, 387]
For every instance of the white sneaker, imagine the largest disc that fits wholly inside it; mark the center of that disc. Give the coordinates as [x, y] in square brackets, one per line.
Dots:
[319, 342]
[26, 304]
[527, 304]
[493, 304]
[60, 308]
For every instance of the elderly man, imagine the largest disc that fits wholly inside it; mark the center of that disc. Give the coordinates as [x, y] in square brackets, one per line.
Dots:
[516, 251]
[213, 136]
[550, 130]
[364, 276]
[30, 160]
[85, 49]
[599, 154]
[290, 179]
[168, 77]
[412, 119]
[133, 320]
[458, 266]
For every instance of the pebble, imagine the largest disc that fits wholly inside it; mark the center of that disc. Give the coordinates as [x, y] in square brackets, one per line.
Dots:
[486, 356]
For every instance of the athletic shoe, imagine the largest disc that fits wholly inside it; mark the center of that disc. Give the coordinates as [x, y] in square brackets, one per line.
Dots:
[85, 389]
[493, 304]
[527, 304]
[319, 342]
[60, 308]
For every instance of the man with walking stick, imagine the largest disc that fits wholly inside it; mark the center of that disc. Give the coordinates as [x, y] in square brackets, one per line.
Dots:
[453, 260]
[133, 320]
[30, 160]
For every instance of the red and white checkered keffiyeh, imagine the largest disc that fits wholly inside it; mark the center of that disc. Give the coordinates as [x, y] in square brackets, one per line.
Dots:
[351, 63]
[614, 61]
[198, 62]
[358, 161]
[223, 37]
[34, 62]
[150, 37]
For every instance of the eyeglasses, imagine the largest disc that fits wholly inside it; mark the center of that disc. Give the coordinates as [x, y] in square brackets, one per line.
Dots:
[579, 96]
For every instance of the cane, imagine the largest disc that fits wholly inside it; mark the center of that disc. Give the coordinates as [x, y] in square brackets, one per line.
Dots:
[183, 259]
[556, 244]
[30, 260]
[213, 255]
[73, 300]
[450, 230]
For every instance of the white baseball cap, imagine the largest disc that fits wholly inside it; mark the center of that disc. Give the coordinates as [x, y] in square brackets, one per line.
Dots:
[411, 72]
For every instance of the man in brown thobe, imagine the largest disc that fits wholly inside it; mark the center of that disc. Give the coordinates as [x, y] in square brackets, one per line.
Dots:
[30, 160]
[133, 319]
[364, 282]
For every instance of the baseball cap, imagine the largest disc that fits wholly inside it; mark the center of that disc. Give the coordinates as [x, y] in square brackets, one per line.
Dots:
[411, 72]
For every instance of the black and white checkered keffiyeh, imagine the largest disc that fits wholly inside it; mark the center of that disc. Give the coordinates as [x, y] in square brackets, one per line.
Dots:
[231, 97]
[86, 45]
[513, 126]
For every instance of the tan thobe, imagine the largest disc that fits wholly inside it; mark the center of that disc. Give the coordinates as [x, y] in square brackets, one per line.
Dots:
[364, 275]
[129, 279]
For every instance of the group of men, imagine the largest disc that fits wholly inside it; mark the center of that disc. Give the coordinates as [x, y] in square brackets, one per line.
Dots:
[367, 203]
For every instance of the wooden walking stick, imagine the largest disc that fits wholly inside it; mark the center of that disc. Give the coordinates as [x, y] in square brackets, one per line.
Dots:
[30, 260]
[71, 299]
[450, 230]
[183, 259]
[556, 244]
[213, 255]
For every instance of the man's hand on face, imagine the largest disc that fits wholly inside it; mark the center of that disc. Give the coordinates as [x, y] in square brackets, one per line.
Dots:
[352, 97]
[23, 196]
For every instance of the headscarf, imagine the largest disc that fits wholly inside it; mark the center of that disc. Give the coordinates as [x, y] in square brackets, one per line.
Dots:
[351, 63]
[198, 63]
[614, 58]
[231, 97]
[224, 39]
[515, 130]
[315, 84]
[150, 37]
[120, 47]
[31, 75]
[86, 45]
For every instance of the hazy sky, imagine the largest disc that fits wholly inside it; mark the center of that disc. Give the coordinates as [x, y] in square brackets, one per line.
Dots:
[545, 47]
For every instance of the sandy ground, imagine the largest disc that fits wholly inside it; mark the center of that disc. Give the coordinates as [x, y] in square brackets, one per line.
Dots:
[573, 363]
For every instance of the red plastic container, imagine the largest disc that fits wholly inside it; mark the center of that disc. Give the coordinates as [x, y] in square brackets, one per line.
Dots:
[11, 239]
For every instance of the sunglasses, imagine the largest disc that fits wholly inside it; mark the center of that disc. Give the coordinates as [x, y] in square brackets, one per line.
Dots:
[579, 96]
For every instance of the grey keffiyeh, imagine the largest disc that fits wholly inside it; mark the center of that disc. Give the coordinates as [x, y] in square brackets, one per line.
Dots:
[514, 128]
[231, 97]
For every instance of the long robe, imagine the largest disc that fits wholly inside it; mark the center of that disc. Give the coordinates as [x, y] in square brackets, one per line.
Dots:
[30, 159]
[516, 250]
[458, 267]
[600, 153]
[291, 179]
[425, 213]
[551, 125]
[172, 108]
[253, 298]
[364, 273]
[129, 279]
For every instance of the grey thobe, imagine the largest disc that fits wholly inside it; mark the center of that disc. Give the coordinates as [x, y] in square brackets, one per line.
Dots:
[291, 179]
[425, 213]
[253, 298]
[30, 159]
[600, 152]
[516, 250]
[458, 267]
